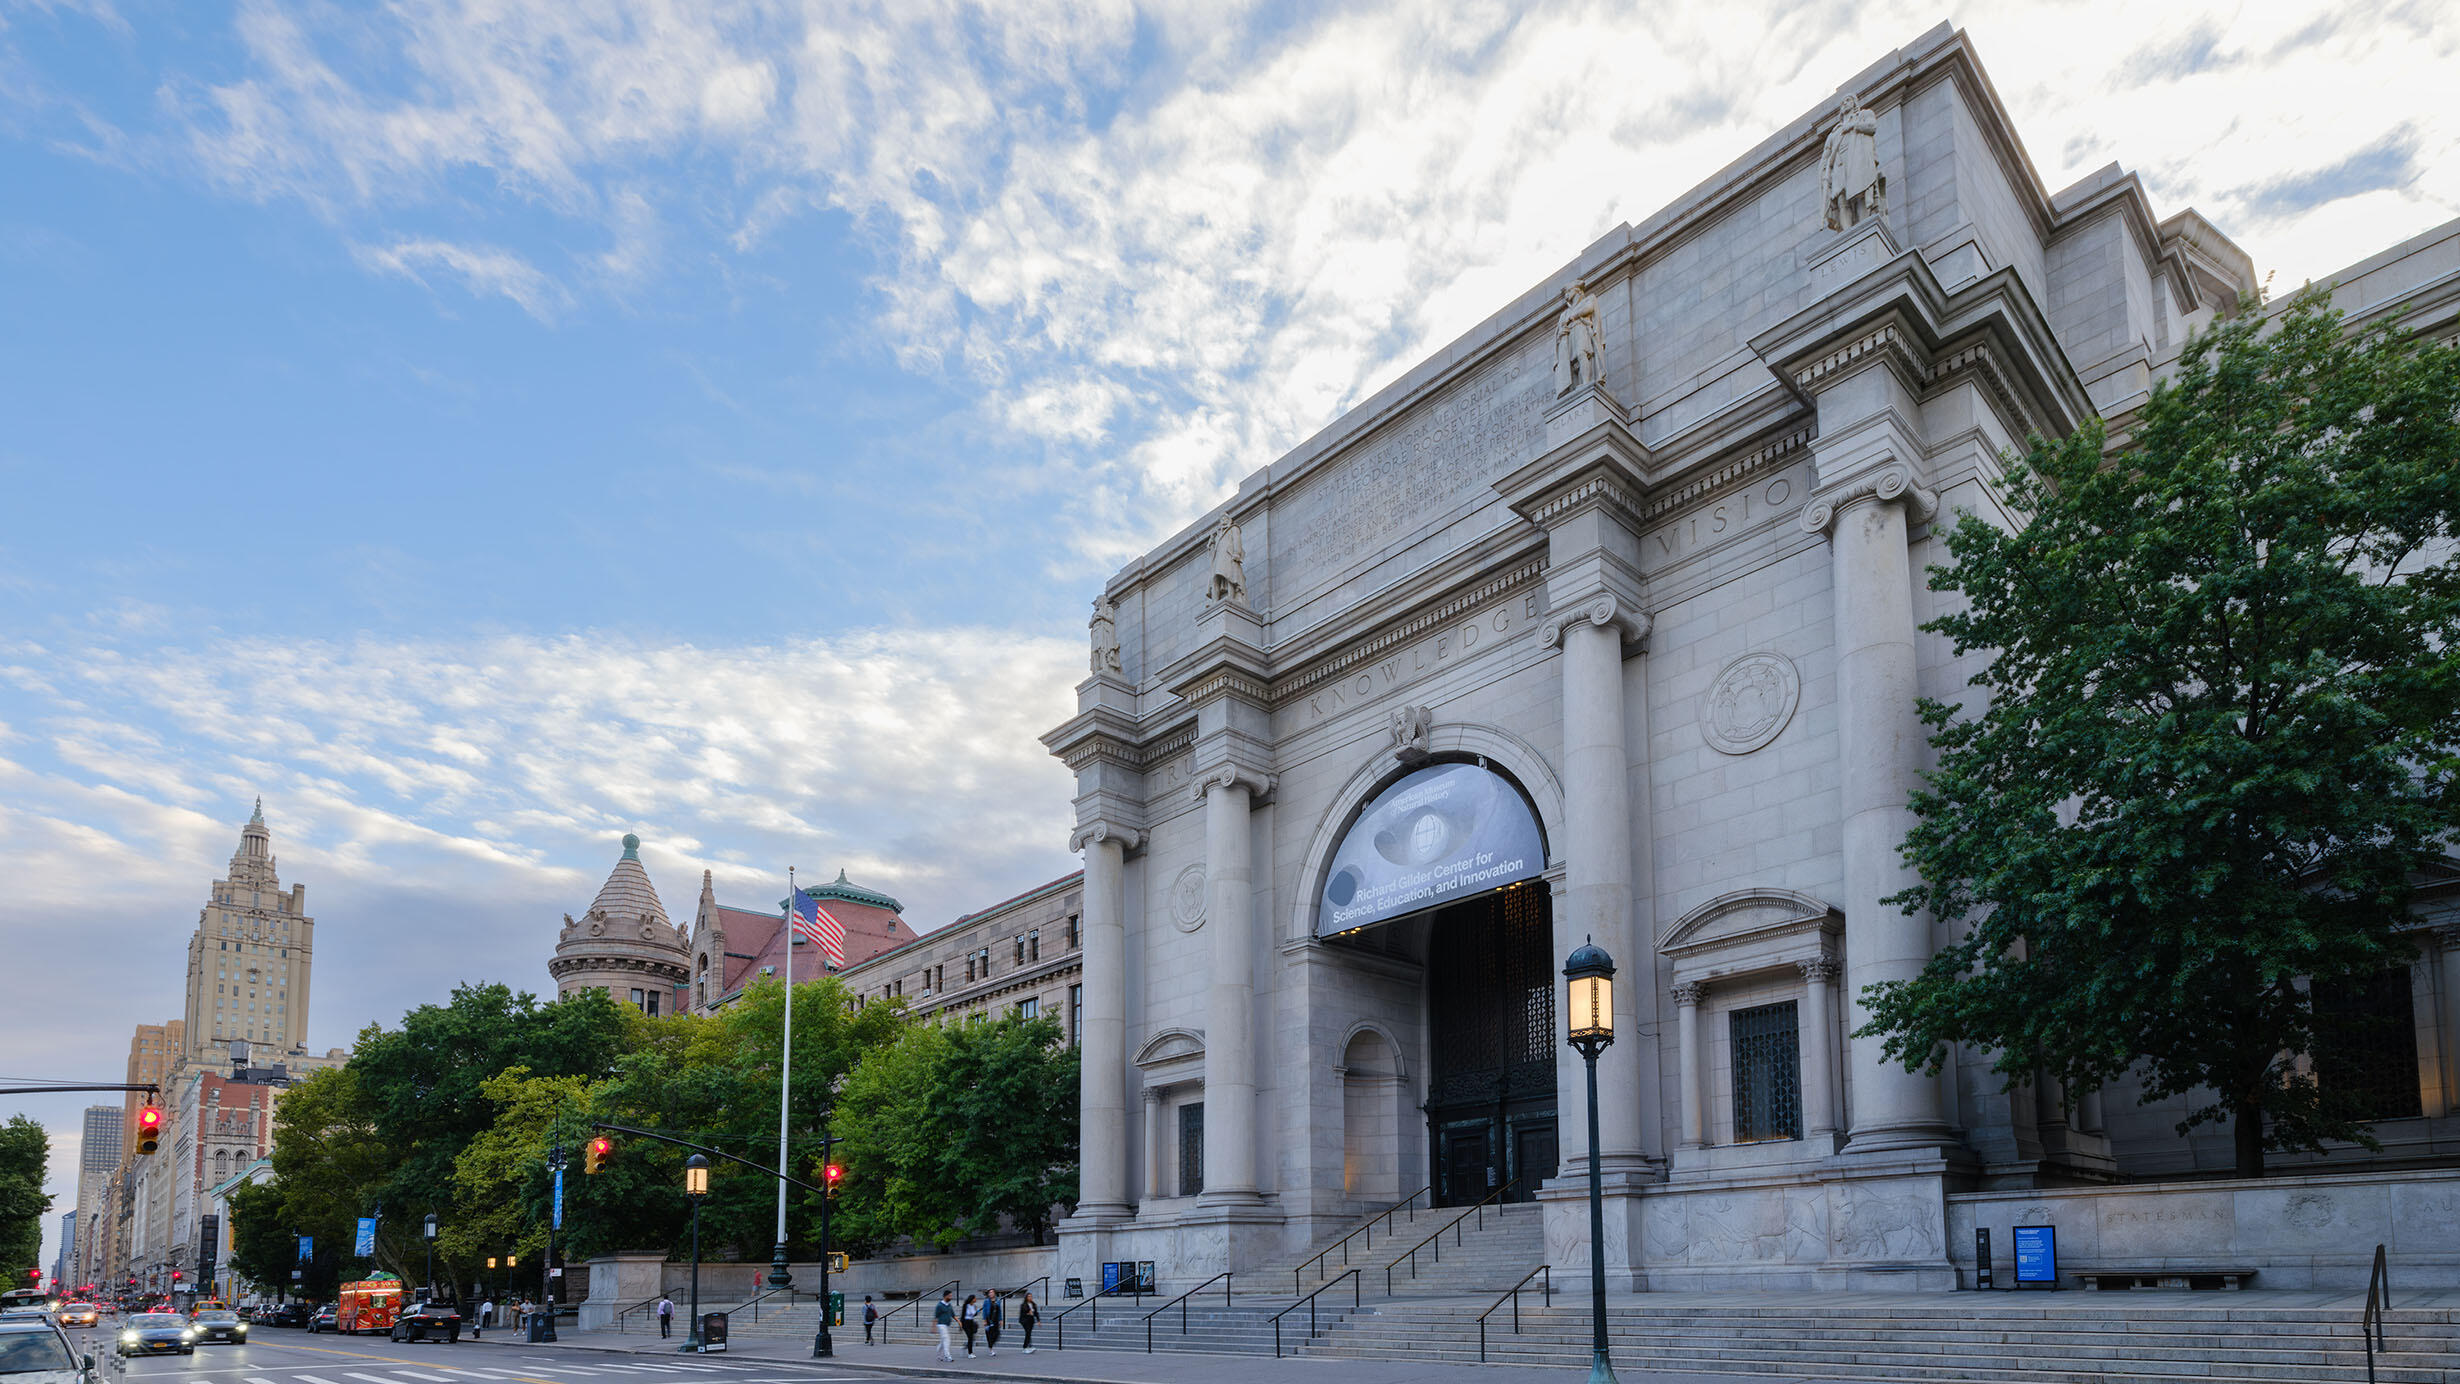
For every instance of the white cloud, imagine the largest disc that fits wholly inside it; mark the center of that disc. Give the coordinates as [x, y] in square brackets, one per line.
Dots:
[483, 270]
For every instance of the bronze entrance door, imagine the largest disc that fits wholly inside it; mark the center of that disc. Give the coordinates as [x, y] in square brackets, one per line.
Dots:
[1491, 1017]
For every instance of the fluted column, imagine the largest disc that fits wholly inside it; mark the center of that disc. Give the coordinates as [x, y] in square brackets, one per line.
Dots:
[1230, 1007]
[1102, 1068]
[1691, 1060]
[1819, 1048]
[1880, 741]
[1597, 855]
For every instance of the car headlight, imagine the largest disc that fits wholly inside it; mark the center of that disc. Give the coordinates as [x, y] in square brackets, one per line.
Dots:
[128, 1338]
[189, 1335]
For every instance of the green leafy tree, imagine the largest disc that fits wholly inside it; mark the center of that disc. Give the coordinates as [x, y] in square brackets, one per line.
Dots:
[329, 1167]
[263, 1249]
[961, 1130]
[25, 1153]
[2223, 702]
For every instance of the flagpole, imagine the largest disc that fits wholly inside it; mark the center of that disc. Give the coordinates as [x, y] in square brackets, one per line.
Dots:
[779, 1275]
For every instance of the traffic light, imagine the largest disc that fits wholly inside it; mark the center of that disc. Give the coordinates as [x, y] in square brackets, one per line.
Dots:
[833, 1176]
[149, 1129]
[595, 1156]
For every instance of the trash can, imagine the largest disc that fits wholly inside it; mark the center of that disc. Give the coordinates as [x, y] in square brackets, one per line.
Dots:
[713, 1331]
[538, 1326]
[837, 1309]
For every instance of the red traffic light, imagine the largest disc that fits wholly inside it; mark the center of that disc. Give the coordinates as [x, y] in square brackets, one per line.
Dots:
[149, 1129]
[835, 1172]
[832, 1176]
[596, 1154]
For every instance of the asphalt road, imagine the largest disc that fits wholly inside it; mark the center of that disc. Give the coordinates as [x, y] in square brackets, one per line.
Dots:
[285, 1355]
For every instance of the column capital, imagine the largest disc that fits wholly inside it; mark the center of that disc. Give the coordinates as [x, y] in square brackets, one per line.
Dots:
[1821, 970]
[2449, 935]
[1153, 1095]
[1258, 784]
[1098, 832]
[1891, 484]
[1689, 993]
[1604, 608]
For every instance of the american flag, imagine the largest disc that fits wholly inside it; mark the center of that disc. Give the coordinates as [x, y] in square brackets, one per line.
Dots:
[819, 925]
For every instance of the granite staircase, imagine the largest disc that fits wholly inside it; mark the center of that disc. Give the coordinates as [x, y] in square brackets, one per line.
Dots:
[1487, 1252]
[1967, 1338]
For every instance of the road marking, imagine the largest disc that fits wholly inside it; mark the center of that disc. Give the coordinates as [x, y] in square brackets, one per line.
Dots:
[258, 1379]
[430, 1378]
[372, 1378]
[310, 1379]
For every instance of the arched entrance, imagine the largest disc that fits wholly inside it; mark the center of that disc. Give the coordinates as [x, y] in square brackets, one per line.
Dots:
[1490, 1104]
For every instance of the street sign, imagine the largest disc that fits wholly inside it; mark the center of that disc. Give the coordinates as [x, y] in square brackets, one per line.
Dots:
[307, 1248]
[559, 1198]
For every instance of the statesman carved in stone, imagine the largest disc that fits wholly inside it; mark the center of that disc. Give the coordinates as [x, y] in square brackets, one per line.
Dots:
[1105, 635]
[1850, 188]
[1576, 338]
[1229, 581]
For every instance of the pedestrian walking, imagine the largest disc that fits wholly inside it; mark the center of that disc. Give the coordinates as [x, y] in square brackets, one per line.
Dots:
[486, 1312]
[666, 1318]
[944, 1316]
[871, 1317]
[1028, 1316]
[973, 1322]
[994, 1316]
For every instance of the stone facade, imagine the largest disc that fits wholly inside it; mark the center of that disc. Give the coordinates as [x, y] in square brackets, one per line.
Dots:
[1646, 546]
[1020, 955]
[251, 961]
[731, 946]
[623, 944]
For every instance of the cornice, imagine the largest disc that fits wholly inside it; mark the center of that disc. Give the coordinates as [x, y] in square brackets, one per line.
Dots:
[1523, 571]
[1098, 735]
[1225, 680]
[1668, 499]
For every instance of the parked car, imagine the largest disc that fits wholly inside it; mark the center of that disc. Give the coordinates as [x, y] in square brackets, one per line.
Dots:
[322, 1319]
[291, 1314]
[158, 1333]
[428, 1321]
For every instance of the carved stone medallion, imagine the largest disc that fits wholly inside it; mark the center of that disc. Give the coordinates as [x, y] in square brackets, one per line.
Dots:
[1750, 702]
[1187, 899]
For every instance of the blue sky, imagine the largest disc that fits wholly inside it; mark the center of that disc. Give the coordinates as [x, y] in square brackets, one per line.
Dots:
[484, 429]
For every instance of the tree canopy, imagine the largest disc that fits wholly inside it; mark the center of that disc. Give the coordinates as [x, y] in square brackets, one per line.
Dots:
[2218, 741]
[25, 1154]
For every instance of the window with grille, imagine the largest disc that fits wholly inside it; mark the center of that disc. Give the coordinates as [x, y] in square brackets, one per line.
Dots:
[1191, 1148]
[1076, 1013]
[2366, 1047]
[1767, 1062]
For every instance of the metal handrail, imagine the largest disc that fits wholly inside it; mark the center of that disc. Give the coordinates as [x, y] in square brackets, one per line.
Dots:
[789, 1292]
[1180, 1302]
[1408, 1203]
[628, 1311]
[2378, 1302]
[1436, 1239]
[1514, 1295]
[1044, 1280]
[1059, 1320]
[1353, 1275]
[931, 1294]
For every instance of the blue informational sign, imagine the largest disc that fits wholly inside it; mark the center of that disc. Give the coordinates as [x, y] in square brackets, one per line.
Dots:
[307, 1248]
[367, 1237]
[1443, 833]
[1110, 1279]
[2037, 1254]
[559, 1198]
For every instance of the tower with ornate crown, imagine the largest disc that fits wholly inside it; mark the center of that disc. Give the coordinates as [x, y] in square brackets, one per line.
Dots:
[250, 959]
[624, 944]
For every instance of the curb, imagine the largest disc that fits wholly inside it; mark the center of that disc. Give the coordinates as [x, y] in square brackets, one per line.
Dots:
[900, 1371]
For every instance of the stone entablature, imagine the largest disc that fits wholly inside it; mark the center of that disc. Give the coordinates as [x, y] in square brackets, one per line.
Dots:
[1648, 543]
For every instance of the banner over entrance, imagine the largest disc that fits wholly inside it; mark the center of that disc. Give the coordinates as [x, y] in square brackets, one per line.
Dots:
[1442, 833]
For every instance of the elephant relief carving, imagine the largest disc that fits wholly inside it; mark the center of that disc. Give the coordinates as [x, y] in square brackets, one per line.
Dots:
[1884, 1226]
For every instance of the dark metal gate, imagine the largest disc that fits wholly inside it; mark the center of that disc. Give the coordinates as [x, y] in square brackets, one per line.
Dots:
[1491, 1010]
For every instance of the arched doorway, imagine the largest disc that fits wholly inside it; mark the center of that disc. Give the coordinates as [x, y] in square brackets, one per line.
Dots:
[1490, 1104]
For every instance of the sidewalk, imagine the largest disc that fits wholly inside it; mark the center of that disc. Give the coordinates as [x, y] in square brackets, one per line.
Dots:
[912, 1358]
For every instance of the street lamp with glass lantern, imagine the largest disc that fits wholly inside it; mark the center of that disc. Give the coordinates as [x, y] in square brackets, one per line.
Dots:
[696, 1187]
[430, 1291]
[1588, 978]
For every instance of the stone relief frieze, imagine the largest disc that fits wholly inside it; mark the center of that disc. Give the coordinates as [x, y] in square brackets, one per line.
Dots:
[1751, 702]
[1888, 1225]
[1187, 899]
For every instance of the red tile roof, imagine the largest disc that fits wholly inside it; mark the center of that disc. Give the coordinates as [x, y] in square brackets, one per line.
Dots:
[869, 931]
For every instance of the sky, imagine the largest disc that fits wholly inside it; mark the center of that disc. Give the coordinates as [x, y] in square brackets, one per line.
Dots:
[486, 427]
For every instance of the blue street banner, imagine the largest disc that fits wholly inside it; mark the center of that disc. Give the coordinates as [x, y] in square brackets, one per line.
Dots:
[307, 1248]
[367, 1237]
[559, 1198]
[2037, 1254]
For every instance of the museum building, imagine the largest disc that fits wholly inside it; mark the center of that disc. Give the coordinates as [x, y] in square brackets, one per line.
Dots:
[1603, 624]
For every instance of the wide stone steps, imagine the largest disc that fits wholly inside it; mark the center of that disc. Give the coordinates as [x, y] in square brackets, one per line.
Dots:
[1243, 1329]
[1475, 1257]
[2069, 1347]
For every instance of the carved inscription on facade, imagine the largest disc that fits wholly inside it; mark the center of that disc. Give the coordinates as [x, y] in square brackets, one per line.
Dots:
[1417, 465]
[1705, 526]
[1473, 633]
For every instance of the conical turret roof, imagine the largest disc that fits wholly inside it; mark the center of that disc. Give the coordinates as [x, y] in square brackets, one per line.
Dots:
[627, 892]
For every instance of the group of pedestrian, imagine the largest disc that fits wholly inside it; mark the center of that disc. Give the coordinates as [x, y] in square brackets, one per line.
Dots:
[982, 1315]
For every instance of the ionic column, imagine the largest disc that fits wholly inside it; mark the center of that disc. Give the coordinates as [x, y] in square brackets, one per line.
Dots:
[1819, 1050]
[1153, 1143]
[1597, 852]
[1880, 741]
[1102, 1069]
[1691, 1060]
[1230, 1007]
[2088, 1112]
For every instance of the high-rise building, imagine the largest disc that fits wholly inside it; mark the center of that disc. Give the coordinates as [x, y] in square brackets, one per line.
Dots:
[98, 1156]
[152, 1053]
[248, 965]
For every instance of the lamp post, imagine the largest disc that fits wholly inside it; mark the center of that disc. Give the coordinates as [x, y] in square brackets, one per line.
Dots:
[1588, 978]
[430, 1289]
[695, 1187]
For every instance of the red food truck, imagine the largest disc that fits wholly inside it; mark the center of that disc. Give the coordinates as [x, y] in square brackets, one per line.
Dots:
[371, 1304]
